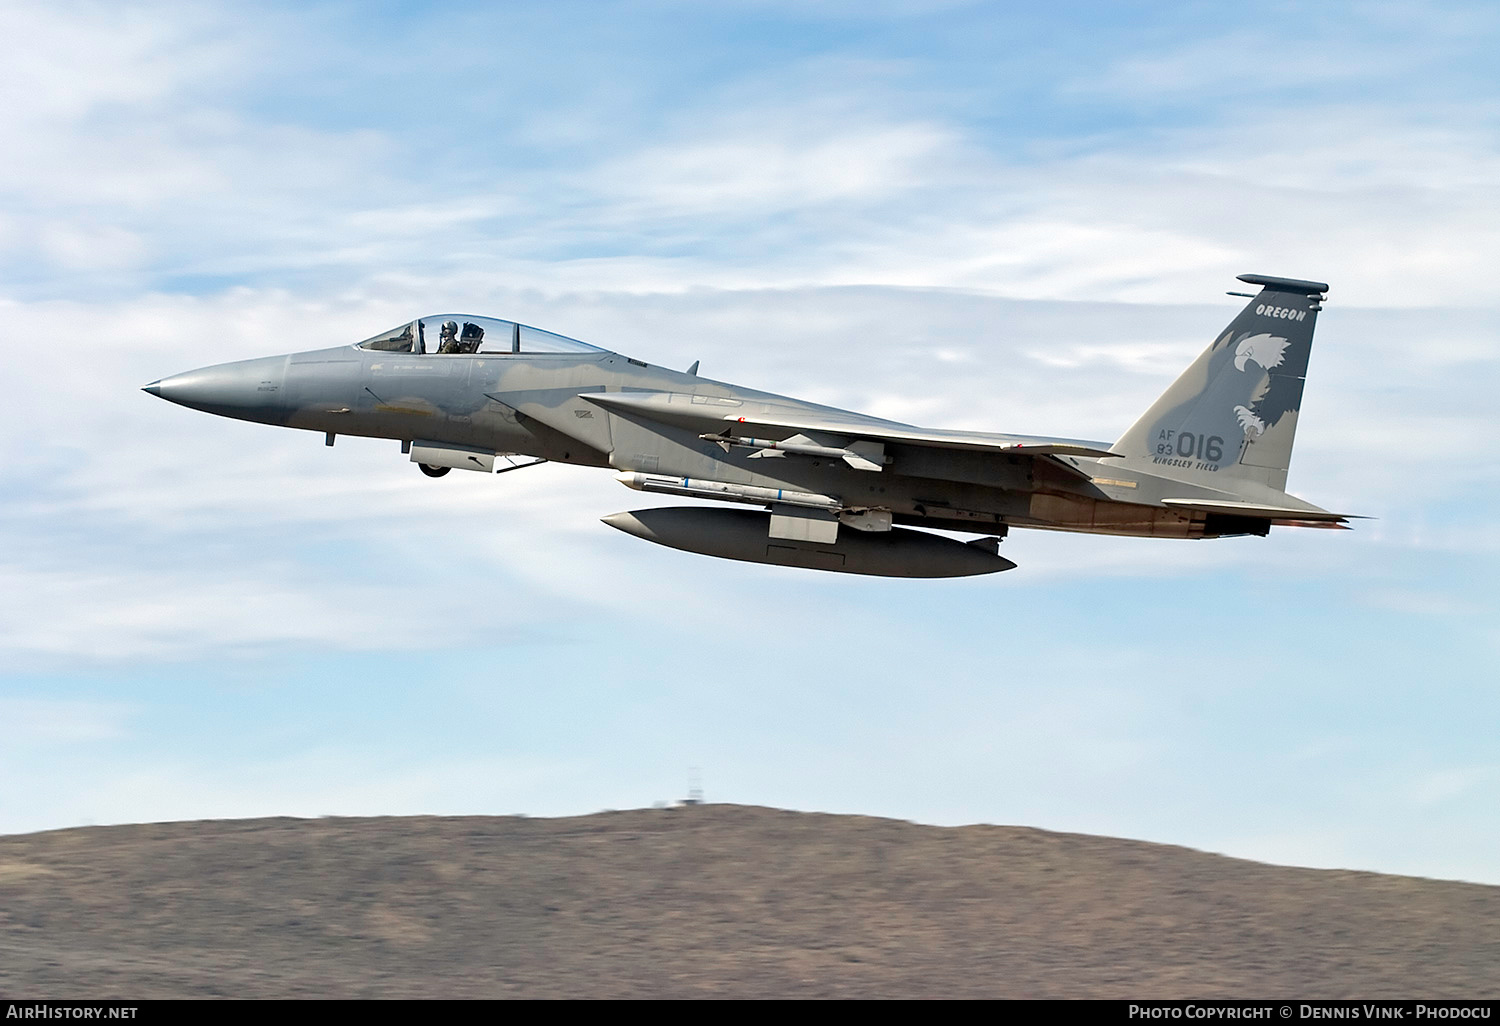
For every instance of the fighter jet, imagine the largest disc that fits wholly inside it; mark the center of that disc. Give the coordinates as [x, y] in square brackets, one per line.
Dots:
[1208, 460]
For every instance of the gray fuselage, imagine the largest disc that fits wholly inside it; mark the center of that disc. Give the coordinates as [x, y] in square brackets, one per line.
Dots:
[535, 404]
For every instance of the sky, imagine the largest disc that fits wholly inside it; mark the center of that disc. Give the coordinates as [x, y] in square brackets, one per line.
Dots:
[987, 216]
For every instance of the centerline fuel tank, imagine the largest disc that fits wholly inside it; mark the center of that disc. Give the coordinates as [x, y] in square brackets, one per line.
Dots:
[745, 535]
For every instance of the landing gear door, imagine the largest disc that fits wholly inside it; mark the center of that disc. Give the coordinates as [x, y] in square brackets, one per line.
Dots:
[456, 457]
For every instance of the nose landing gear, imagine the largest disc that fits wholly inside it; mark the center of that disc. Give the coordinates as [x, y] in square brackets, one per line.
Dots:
[432, 471]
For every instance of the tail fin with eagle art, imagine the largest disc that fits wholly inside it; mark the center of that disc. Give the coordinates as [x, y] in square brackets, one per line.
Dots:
[1233, 413]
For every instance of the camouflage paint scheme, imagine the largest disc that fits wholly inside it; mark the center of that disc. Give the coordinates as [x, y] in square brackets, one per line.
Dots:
[1208, 459]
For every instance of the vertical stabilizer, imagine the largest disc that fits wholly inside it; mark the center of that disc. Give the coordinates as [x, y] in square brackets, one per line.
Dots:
[1233, 413]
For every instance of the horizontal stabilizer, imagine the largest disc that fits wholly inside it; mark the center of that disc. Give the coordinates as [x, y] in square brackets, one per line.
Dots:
[1252, 509]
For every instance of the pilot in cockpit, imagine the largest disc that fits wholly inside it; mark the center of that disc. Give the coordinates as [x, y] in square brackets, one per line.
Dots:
[449, 338]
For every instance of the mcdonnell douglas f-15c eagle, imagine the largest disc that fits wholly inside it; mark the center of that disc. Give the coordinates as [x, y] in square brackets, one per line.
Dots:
[1207, 460]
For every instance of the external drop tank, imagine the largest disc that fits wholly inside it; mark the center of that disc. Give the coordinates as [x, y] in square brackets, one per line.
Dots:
[744, 535]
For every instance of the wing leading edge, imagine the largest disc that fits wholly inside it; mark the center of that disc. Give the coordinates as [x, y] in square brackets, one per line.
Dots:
[727, 416]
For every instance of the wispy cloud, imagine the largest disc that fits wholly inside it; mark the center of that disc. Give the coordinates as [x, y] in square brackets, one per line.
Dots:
[798, 167]
[167, 163]
[32, 722]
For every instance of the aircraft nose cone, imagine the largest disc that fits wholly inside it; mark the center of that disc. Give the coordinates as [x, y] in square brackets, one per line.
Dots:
[247, 390]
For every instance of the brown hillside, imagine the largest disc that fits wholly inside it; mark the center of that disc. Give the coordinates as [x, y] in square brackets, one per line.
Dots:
[709, 900]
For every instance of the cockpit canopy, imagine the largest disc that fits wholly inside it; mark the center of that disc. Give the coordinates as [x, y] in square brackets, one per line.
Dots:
[465, 333]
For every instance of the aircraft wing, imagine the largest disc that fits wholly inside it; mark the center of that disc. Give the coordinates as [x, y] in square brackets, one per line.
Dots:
[728, 416]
